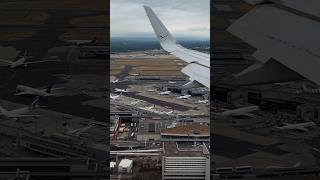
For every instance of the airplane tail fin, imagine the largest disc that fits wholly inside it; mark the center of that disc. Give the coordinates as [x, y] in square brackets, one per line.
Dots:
[49, 89]
[1, 109]
[34, 103]
[25, 54]
[94, 40]
[68, 128]
[66, 125]
[298, 164]
[167, 42]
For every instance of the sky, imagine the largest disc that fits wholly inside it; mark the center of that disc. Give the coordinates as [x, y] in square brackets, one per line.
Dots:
[183, 18]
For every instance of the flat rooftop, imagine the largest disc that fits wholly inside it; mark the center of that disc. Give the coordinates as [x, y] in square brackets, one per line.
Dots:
[184, 149]
[188, 129]
[153, 126]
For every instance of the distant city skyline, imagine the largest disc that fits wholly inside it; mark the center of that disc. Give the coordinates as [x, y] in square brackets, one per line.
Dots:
[184, 18]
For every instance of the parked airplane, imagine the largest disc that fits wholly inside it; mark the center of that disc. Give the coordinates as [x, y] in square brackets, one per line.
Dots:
[205, 101]
[63, 77]
[22, 61]
[25, 90]
[83, 42]
[165, 93]
[296, 165]
[120, 90]
[169, 112]
[77, 132]
[134, 74]
[115, 81]
[198, 68]
[134, 102]
[245, 111]
[184, 97]
[150, 108]
[298, 126]
[21, 112]
[114, 97]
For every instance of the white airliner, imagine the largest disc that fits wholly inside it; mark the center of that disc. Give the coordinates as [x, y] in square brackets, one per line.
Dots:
[134, 102]
[299, 126]
[114, 97]
[21, 112]
[134, 74]
[22, 61]
[165, 93]
[150, 108]
[184, 97]
[77, 132]
[298, 164]
[198, 68]
[115, 81]
[120, 90]
[83, 42]
[245, 111]
[153, 110]
[205, 101]
[169, 112]
[25, 90]
[63, 77]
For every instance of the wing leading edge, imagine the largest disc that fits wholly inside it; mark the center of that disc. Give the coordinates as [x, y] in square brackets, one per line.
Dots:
[198, 68]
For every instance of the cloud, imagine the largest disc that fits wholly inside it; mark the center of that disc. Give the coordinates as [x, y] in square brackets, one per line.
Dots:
[183, 18]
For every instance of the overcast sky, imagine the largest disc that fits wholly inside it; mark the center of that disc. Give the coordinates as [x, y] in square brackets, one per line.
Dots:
[183, 18]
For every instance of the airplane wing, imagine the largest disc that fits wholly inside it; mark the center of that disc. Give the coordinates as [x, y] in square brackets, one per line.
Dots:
[302, 129]
[18, 113]
[28, 115]
[198, 68]
[282, 53]
[240, 114]
[248, 115]
[5, 61]
[80, 130]
[312, 7]
[85, 129]
[35, 62]
[2, 110]
[24, 93]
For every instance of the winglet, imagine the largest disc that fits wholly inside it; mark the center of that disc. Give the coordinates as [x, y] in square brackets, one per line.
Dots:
[34, 104]
[48, 90]
[167, 42]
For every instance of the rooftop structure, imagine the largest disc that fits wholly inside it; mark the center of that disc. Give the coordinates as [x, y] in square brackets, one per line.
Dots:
[186, 132]
[125, 165]
[186, 161]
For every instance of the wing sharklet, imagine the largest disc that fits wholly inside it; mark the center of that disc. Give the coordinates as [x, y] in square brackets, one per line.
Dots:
[198, 68]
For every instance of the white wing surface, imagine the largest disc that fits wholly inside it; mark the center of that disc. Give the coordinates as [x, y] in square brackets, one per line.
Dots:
[198, 68]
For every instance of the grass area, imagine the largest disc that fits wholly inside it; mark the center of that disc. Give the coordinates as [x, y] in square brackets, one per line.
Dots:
[147, 66]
